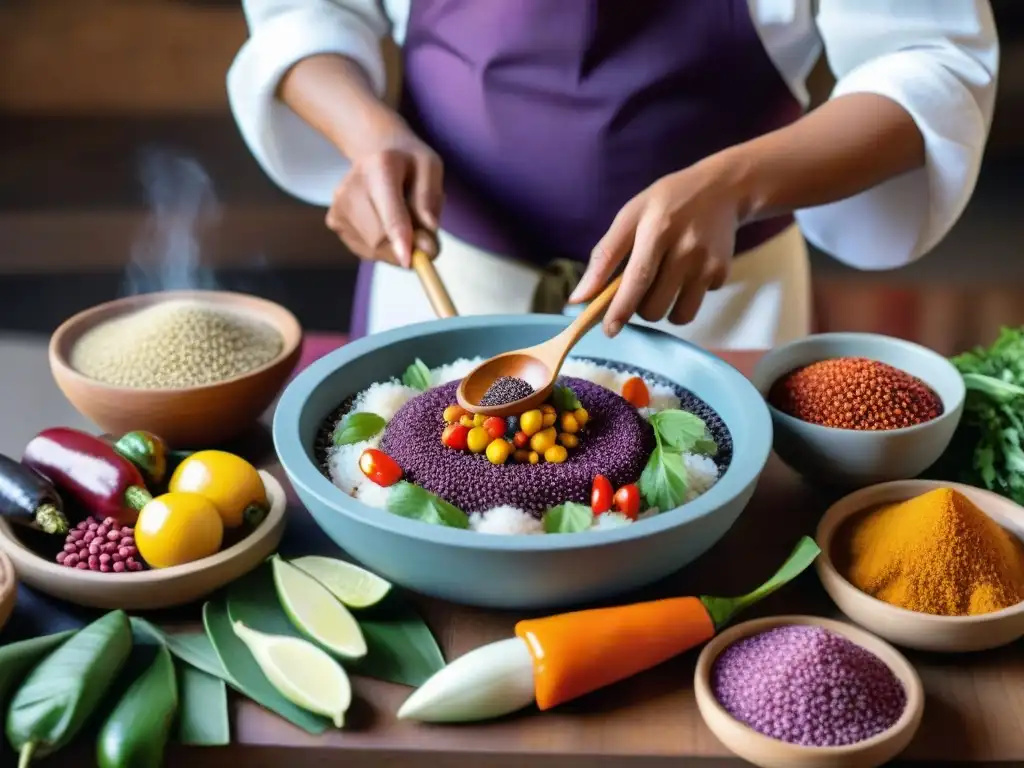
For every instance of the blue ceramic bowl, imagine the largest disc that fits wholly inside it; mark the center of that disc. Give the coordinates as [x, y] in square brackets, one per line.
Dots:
[519, 572]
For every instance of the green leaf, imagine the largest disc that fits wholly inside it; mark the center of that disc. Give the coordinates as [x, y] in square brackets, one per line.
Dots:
[246, 674]
[683, 432]
[663, 482]
[64, 690]
[722, 610]
[16, 659]
[417, 376]
[568, 518]
[357, 427]
[400, 646]
[203, 709]
[564, 399]
[193, 648]
[416, 503]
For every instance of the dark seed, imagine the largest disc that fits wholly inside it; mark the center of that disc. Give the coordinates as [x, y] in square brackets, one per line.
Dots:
[506, 389]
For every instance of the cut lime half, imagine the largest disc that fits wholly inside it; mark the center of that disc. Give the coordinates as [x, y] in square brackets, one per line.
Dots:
[301, 672]
[354, 586]
[315, 612]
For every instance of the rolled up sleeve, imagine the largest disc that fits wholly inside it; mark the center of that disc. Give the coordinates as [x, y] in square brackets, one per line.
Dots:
[283, 32]
[938, 59]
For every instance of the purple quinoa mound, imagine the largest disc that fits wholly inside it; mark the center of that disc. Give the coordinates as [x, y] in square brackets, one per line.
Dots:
[616, 443]
[808, 686]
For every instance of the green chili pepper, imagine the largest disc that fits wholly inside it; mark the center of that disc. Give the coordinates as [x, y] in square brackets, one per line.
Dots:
[16, 659]
[151, 454]
[136, 733]
[60, 694]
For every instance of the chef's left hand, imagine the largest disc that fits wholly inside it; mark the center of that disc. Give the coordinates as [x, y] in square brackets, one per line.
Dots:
[679, 235]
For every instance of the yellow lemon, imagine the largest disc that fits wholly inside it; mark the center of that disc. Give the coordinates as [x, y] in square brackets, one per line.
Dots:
[178, 528]
[230, 482]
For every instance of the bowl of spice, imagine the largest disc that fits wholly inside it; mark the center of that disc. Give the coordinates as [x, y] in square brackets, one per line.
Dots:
[855, 409]
[803, 692]
[927, 565]
[195, 367]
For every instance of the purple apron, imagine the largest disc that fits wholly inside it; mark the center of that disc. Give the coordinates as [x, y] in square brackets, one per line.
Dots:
[550, 115]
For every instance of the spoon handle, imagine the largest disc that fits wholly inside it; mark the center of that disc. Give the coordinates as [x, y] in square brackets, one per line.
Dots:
[590, 316]
[423, 264]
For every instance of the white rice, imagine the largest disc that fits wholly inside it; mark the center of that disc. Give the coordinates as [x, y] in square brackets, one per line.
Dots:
[386, 397]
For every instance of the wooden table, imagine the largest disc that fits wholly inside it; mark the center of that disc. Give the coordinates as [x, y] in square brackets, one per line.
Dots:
[975, 704]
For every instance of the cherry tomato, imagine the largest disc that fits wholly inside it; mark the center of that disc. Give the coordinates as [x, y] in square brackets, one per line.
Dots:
[454, 436]
[495, 427]
[521, 439]
[635, 392]
[379, 467]
[627, 501]
[601, 494]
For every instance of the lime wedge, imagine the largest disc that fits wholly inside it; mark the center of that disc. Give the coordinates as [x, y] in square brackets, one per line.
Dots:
[314, 611]
[301, 672]
[354, 586]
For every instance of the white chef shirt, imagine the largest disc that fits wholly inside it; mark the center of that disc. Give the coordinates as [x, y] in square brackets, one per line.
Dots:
[937, 58]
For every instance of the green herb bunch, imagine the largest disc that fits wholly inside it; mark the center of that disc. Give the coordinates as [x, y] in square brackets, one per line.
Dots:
[987, 448]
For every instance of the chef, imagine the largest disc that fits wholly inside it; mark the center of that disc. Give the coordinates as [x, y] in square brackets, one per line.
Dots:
[551, 142]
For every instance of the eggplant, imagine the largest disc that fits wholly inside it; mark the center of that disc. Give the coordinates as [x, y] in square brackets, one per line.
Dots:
[28, 498]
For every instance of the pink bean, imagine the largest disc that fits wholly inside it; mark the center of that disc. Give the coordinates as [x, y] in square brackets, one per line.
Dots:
[118, 567]
[71, 560]
[104, 568]
[82, 566]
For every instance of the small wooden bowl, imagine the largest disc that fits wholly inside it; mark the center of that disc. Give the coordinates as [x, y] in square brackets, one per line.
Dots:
[189, 417]
[157, 588]
[910, 629]
[767, 752]
[8, 588]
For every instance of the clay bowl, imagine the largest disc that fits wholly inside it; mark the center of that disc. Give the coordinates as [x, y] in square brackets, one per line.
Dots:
[153, 589]
[8, 588]
[190, 417]
[921, 631]
[855, 458]
[766, 752]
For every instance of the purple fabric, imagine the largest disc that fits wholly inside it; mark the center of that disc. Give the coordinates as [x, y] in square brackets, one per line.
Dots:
[551, 114]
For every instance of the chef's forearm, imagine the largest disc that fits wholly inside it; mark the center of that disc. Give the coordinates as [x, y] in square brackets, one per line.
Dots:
[333, 94]
[844, 147]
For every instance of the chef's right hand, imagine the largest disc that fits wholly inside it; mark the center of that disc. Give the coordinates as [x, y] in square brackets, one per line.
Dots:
[388, 192]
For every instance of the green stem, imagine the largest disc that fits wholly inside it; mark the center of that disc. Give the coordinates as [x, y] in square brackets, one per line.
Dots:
[254, 514]
[25, 756]
[136, 497]
[723, 610]
[50, 519]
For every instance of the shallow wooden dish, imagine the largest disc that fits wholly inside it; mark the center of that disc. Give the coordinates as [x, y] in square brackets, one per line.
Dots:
[191, 417]
[8, 588]
[767, 752]
[922, 631]
[153, 589]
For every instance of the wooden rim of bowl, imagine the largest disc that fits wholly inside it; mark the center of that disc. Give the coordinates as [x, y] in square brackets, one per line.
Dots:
[855, 503]
[8, 577]
[19, 553]
[709, 707]
[284, 323]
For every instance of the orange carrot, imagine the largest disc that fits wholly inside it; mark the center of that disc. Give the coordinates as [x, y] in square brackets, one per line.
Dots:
[576, 653]
[635, 392]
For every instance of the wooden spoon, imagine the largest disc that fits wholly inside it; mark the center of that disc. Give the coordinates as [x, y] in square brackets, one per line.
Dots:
[538, 366]
[424, 251]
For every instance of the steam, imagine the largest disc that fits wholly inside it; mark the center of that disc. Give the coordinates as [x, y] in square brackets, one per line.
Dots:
[182, 202]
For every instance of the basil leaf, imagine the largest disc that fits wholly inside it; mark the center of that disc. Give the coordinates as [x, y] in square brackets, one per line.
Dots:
[17, 659]
[564, 399]
[683, 432]
[568, 518]
[203, 709]
[408, 500]
[417, 376]
[663, 482]
[400, 646]
[357, 427]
